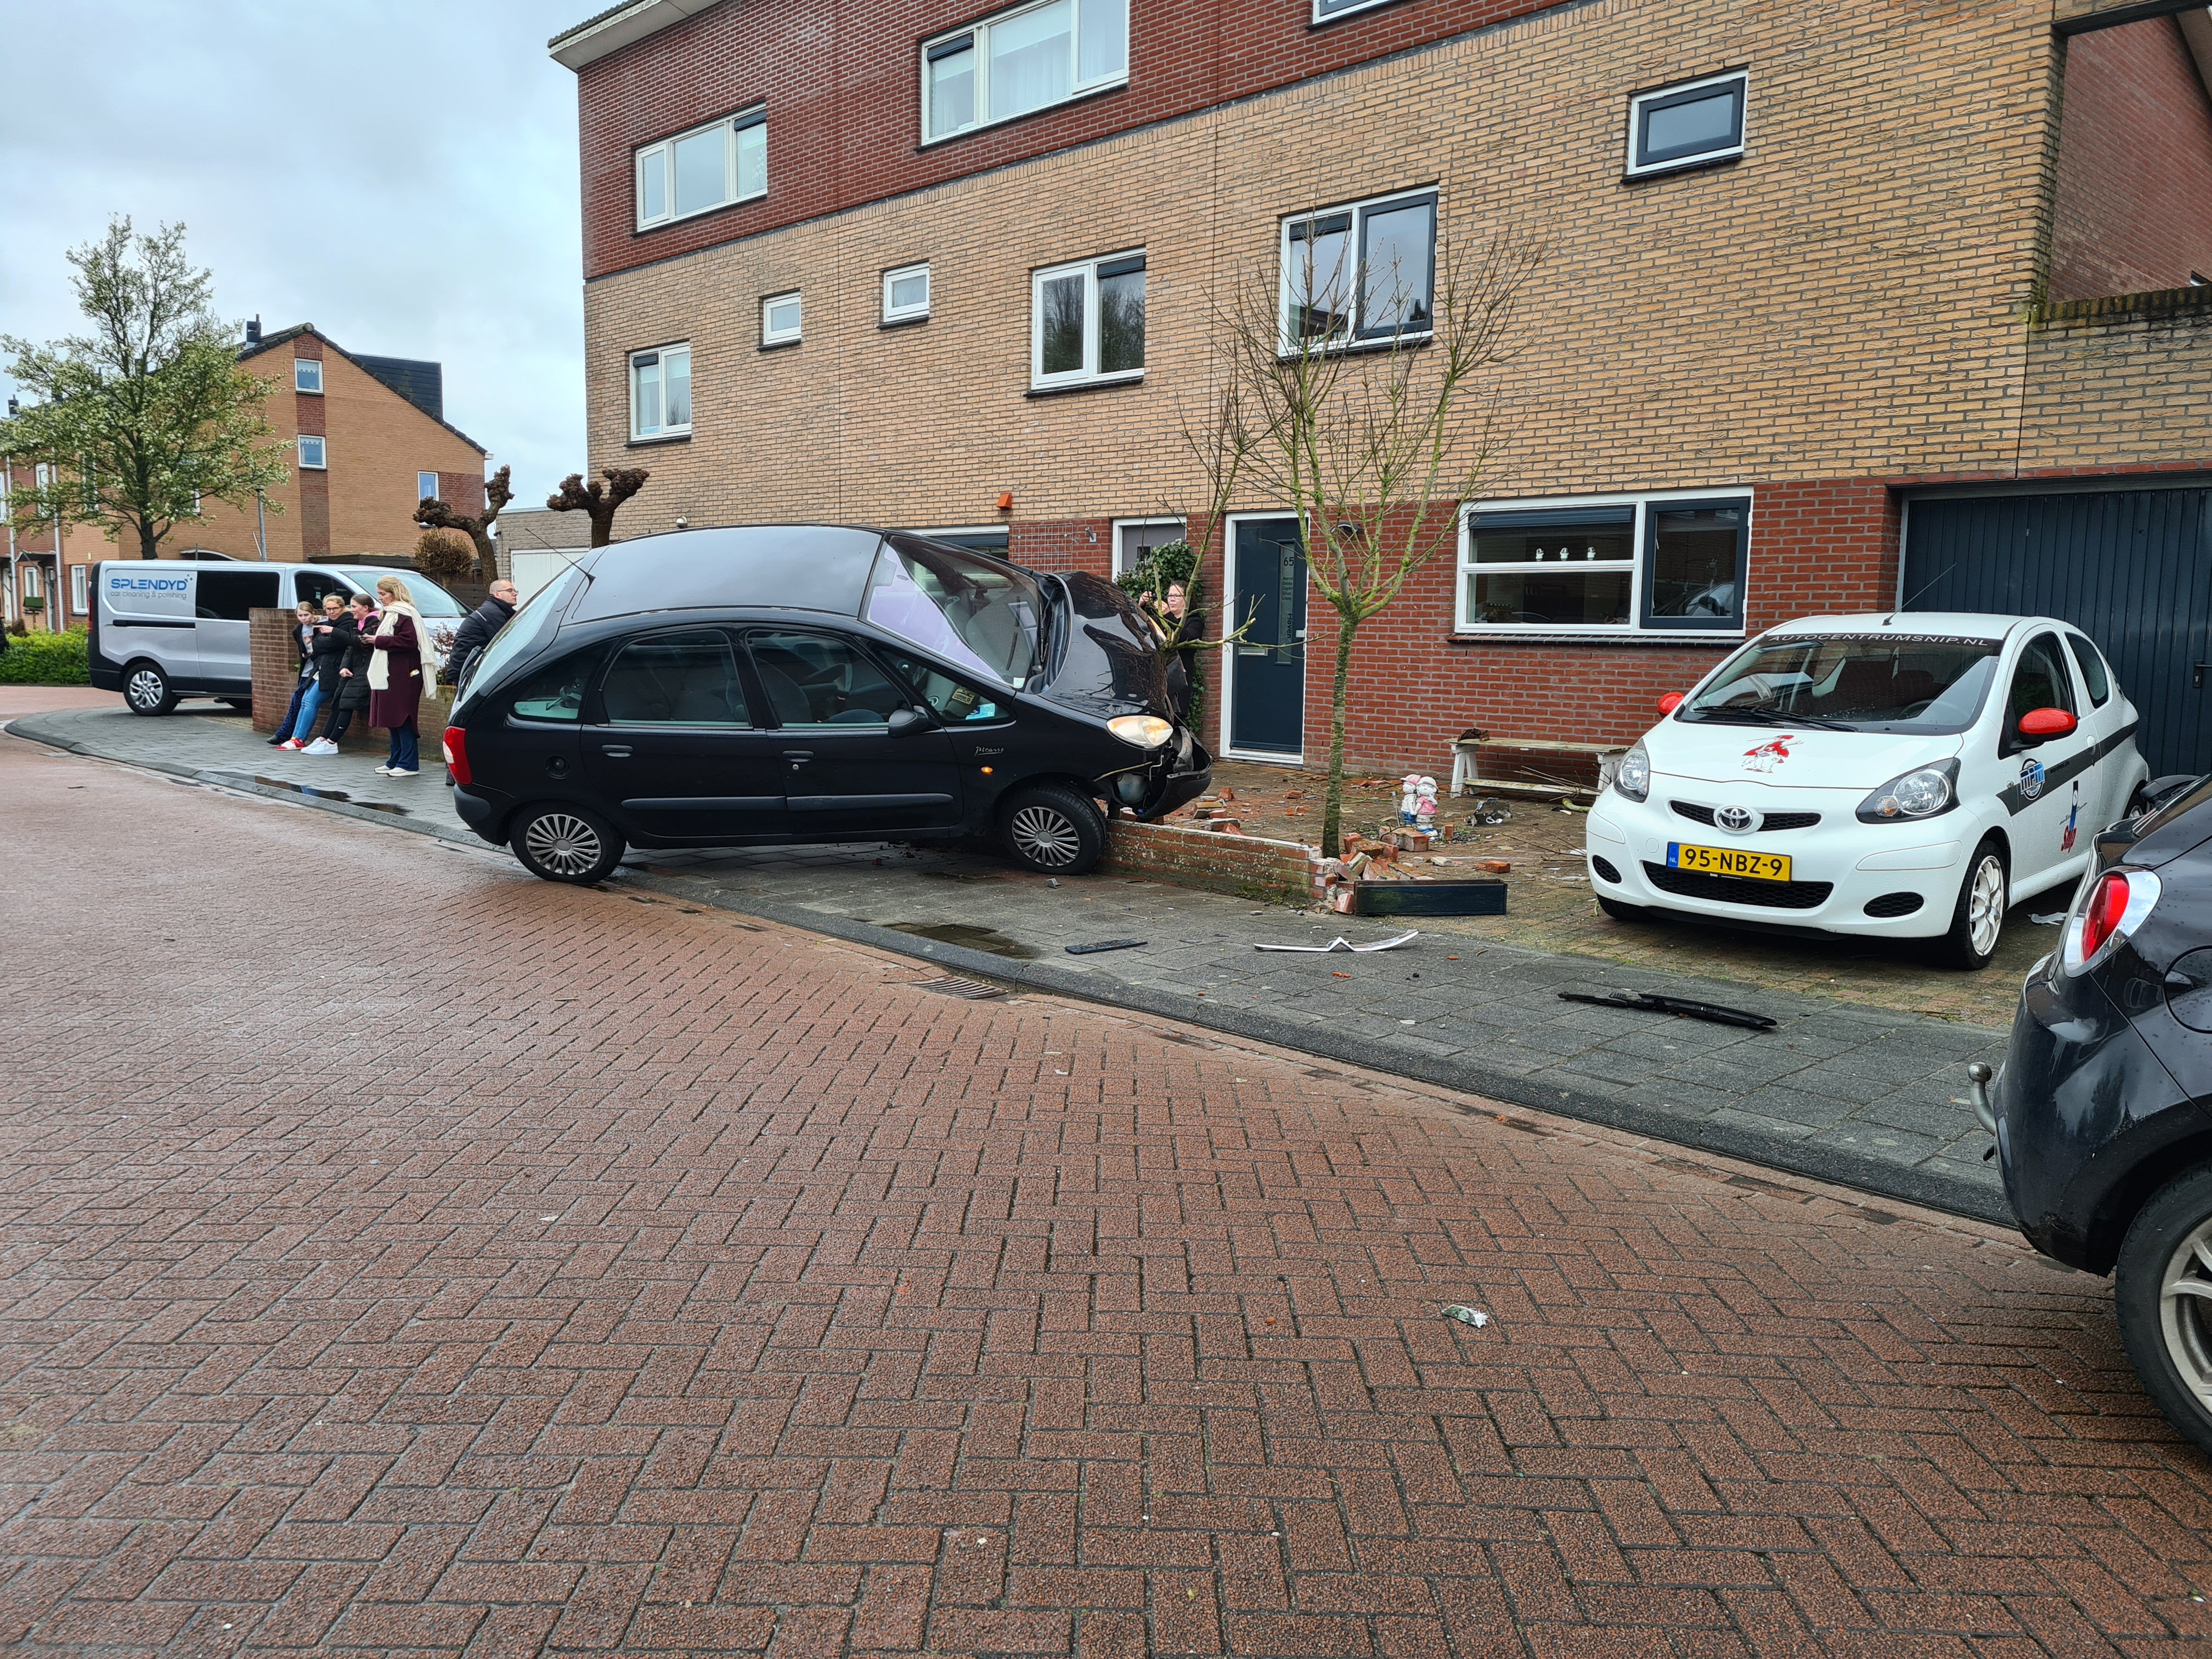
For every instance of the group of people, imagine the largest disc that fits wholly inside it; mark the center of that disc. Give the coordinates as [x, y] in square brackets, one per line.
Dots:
[374, 654]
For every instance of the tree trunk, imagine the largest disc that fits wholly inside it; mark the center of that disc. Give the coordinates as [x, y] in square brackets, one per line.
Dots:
[1332, 812]
[150, 544]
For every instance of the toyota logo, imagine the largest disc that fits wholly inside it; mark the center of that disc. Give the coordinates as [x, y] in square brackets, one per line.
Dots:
[1735, 819]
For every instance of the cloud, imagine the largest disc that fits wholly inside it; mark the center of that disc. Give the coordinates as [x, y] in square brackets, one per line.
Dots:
[402, 175]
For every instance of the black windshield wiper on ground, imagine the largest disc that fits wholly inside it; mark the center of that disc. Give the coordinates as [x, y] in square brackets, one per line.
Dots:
[1754, 715]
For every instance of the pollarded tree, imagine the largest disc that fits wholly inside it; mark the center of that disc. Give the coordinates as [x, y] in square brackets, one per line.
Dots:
[148, 414]
[434, 514]
[598, 504]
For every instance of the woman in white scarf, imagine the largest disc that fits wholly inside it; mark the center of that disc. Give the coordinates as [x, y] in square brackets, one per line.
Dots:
[395, 675]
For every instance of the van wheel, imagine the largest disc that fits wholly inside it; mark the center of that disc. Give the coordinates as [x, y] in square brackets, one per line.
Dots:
[566, 843]
[146, 690]
[1050, 827]
[2162, 1292]
[1978, 918]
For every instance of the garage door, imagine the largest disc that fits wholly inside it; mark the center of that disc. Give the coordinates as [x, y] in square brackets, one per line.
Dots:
[2131, 568]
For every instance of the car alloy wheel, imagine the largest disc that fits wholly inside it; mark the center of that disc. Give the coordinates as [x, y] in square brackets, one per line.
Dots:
[1044, 836]
[2184, 1312]
[146, 690]
[564, 843]
[1986, 904]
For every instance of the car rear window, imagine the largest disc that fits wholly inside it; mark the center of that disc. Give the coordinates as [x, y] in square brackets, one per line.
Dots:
[1885, 682]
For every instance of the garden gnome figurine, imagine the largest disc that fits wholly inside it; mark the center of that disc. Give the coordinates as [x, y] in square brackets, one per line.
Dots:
[1409, 797]
[1424, 806]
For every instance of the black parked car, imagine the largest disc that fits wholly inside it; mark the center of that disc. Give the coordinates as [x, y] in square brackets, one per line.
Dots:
[2103, 1112]
[807, 684]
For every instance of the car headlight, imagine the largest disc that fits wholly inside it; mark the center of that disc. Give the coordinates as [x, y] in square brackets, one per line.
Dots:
[1146, 731]
[1633, 780]
[1922, 793]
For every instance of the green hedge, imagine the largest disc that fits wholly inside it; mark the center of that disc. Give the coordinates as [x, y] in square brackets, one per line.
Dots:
[46, 659]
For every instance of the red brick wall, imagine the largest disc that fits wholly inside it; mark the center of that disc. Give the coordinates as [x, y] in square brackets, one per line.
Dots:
[843, 87]
[2134, 206]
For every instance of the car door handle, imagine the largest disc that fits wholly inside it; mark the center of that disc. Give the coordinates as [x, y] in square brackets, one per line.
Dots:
[615, 750]
[798, 757]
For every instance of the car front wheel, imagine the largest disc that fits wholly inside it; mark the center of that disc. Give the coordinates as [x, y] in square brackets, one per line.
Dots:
[2162, 1293]
[147, 690]
[566, 843]
[1050, 828]
[1978, 918]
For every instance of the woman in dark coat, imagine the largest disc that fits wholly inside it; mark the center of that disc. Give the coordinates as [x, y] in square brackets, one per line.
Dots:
[355, 627]
[395, 676]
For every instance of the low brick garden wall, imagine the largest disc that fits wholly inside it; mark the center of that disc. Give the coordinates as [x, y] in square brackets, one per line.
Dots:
[1280, 872]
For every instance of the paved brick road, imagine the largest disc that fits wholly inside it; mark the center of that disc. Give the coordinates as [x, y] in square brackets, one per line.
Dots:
[397, 1254]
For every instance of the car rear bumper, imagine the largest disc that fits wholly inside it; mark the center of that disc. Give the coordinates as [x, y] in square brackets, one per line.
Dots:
[485, 811]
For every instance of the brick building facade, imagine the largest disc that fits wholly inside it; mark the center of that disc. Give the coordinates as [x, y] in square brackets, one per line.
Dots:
[1851, 305]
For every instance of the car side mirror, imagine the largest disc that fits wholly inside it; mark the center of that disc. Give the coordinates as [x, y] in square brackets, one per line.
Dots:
[1670, 702]
[2037, 724]
[905, 722]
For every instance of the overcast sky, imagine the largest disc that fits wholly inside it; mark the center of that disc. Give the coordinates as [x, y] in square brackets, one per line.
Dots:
[400, 173]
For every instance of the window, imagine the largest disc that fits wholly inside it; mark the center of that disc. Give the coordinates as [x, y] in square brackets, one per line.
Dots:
[312, 454]
[675, 679]
[993, 539]
[1134, 537]
[906, 293]
[1087, 322]
[660, 392]
[426, 486]
[780, 320]
[948, 699]
[1650, 565]
[555, 692]
[1686, 127]
[1360, 273]
[80, 600]
[2092, 669]
[31, 588]
[233, 595]
[2040, 680]
[975, 616]
[699, 171]
[1326, 9]
[306, 375]
[814, 679]
[1021, 60]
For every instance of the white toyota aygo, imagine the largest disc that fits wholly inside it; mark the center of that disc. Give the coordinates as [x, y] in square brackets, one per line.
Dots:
[1902, 776]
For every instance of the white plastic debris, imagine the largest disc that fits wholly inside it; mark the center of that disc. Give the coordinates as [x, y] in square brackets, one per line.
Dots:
[1466, 1316]
[1341, 944]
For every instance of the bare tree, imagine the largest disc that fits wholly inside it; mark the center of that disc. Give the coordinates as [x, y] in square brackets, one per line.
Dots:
[1369, 442]
[575, 496]
[434, 514]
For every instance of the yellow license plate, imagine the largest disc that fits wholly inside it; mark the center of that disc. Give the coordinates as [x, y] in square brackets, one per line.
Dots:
[1729, 861]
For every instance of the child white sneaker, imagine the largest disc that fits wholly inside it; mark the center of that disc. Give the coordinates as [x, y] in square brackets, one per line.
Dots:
[320, 746]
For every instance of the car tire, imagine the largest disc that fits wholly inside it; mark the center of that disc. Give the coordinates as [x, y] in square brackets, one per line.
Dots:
[559, 842]
[147, 690]
[1977, 917]
[1050, 828]
[2168, 1332]
[1620, 912]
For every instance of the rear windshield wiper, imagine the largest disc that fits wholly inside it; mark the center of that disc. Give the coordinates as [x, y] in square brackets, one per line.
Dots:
[1757, 717]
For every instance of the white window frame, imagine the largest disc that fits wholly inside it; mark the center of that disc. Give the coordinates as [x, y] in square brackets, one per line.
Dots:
[1332, 14]
[80, 589]
[1120, 569]
[1633, 169]
[897, 313]
[660, 353]
[1637, 562]
[978, 33]
[777, 337]
[422, 473]
[1290, 265]
[661, 153]
[34, 581]
[304, 369]
[322, 461]
[1089, 374]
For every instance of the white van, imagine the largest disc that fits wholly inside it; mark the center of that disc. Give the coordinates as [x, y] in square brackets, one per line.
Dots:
[162, 629]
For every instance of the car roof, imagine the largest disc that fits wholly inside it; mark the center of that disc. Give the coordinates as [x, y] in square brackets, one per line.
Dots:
[798, 567]
[1948, 624]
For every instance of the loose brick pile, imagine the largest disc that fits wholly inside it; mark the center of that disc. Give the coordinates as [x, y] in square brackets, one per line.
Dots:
[565, 1271]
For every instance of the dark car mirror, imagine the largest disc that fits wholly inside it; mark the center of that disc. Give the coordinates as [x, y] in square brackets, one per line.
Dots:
[2037, 724]
[905, 722]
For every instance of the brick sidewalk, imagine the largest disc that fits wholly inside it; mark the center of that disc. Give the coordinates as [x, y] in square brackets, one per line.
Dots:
[565, 1271]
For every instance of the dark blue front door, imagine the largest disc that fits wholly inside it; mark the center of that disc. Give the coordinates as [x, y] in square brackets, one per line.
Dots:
[2131, 568]
[1268, 693]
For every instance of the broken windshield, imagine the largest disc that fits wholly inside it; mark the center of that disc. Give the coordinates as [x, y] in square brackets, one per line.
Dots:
[1896, 682]
[975, 613]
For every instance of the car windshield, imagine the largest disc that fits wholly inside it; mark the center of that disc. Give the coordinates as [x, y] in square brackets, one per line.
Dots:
[974, 613]
[530, 627]
[1885, 682]
[428, 598]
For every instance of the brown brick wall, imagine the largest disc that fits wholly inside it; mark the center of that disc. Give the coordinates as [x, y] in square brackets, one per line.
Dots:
[1248, 865]
[2134, 206]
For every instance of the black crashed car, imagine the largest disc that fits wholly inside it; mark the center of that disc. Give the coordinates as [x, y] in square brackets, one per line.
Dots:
[806, 684]
[2103, 1111]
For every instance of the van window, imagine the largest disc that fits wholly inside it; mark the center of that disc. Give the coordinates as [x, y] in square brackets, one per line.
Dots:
[229, 595]
[432, 600]
[310, 585]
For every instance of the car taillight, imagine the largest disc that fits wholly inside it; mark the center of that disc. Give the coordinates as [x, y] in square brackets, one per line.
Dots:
[457, 753]
[2111, 907]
